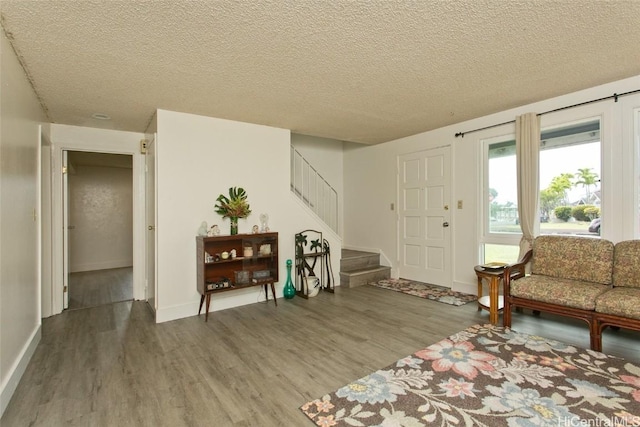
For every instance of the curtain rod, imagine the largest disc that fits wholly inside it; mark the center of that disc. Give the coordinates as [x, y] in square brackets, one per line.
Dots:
[615, 97]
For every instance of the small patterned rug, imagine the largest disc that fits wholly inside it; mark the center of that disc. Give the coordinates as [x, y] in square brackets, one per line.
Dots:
[489, 376]
[424, 290]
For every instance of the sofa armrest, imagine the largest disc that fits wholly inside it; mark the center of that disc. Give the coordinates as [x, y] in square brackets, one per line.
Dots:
[515, 271]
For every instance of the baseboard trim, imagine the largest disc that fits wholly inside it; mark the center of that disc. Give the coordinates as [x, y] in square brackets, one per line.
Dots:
[17, 370]
[467, 288]
[102, 265]
[176, 312]
[219, 302]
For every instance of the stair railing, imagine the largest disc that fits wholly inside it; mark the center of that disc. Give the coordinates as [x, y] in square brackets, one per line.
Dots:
[313, 190]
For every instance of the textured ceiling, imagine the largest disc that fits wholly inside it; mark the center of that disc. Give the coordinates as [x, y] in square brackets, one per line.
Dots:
[363, 71]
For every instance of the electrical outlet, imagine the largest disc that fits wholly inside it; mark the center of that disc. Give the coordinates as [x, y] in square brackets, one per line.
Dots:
[459, 204]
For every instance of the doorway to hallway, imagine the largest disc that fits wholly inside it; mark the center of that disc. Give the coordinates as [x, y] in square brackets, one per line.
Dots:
[100, 287]
[99, 227]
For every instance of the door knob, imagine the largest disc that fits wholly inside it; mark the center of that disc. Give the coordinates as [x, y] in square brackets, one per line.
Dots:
[151, 227]
[445, 224]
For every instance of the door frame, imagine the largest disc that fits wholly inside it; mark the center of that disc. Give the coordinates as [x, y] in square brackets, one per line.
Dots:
[65, 228]
[151, 260]
[72, 138]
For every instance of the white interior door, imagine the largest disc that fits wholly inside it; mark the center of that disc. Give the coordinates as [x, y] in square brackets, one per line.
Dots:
[425, 215]
[65, 230]
[150, 215]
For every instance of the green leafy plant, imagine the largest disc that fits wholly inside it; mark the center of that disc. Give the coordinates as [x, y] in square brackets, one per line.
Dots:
[563, 213]
[584, 212]
[234, 206]
[592, 212]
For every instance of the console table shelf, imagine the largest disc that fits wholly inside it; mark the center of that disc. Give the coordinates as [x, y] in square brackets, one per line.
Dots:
[216, 274]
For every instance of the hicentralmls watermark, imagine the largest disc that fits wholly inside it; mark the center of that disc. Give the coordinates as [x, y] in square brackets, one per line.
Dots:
[624, 420]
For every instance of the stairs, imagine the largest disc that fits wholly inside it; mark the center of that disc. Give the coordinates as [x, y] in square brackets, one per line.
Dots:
[358, 268]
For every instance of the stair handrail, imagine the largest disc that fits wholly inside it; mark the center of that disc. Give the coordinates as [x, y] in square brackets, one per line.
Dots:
[314, 190]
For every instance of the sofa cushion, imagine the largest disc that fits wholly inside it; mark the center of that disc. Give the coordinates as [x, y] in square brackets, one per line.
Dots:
[623, 302]
[567, 292]
[577, 258]
[626, 264]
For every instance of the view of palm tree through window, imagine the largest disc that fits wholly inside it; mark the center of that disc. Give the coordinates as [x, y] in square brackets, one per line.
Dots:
[570, 171]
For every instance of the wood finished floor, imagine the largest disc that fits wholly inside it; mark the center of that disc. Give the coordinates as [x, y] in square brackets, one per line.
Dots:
[248, 366]
[93, 288]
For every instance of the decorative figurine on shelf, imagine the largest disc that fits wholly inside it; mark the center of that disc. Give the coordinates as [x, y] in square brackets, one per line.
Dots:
[264, 220]
[265, 249]
[214, 231]
[233, 207]
[289, 291]
[248, 251]
[255, 229]
[202, 230]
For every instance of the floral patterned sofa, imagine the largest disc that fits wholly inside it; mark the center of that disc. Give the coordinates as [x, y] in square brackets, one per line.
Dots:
[584, 278]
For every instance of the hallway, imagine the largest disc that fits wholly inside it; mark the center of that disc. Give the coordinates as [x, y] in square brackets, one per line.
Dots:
[100, 287]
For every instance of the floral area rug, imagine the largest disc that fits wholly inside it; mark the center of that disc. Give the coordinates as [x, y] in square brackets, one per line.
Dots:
[424, 290]
[489, 376]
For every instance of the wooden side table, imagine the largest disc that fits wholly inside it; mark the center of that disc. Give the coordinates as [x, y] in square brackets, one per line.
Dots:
[492, 302]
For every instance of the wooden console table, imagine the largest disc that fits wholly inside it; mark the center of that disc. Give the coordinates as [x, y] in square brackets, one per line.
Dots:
[240, 261]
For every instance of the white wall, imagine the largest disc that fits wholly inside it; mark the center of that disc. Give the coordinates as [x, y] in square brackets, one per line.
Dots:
[370, 179]
[197, 159]
[20, 114]
[101, 213]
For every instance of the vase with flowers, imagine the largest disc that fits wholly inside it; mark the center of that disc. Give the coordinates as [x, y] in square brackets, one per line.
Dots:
[233, 207]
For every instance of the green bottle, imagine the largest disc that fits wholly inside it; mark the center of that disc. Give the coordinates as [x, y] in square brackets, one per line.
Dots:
[289, 291]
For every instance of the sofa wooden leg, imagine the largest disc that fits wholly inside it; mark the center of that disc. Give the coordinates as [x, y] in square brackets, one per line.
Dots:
[506, 314]
[595, 332]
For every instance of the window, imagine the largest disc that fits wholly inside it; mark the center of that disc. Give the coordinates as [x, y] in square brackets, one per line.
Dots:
[501, 231]
[502, 194]
[500, 253]
[569, 181]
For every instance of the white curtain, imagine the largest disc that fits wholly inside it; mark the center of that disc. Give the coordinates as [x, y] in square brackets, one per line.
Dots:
[527, 149]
